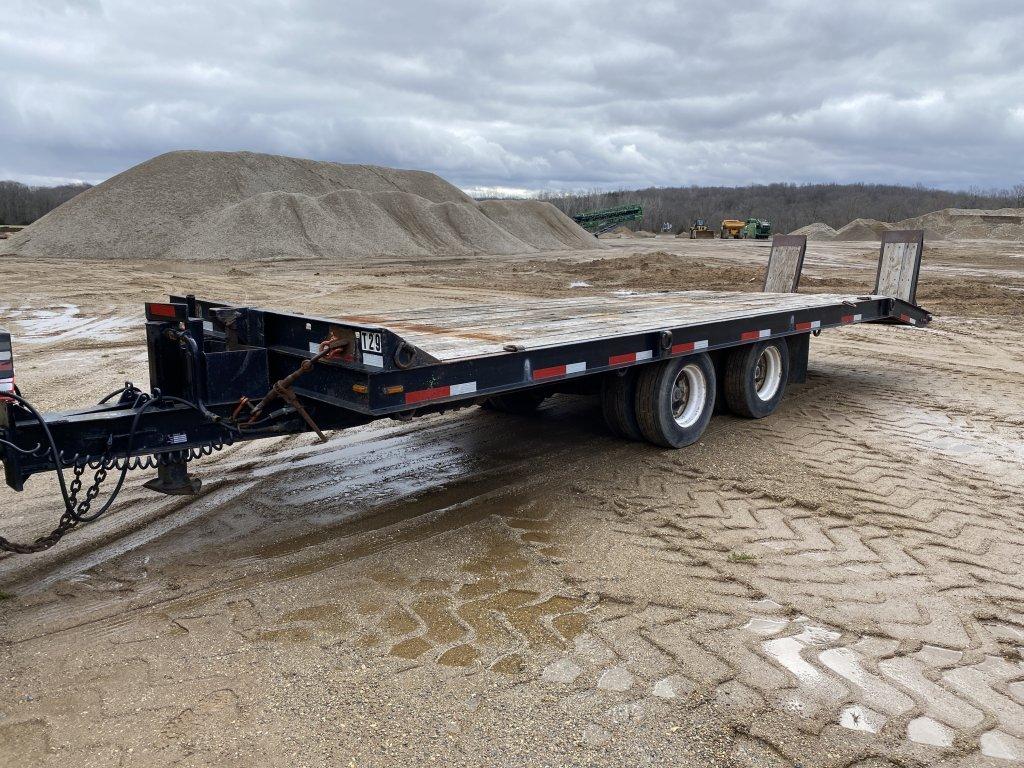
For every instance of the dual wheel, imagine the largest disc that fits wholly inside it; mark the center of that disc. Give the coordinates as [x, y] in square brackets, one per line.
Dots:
[670, 403]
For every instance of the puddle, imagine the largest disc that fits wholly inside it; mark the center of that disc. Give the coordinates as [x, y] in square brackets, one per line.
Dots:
[1001, 745]
[786, 651]
[860, 718]
[765, 626]
[875, 692]
[948, 434]
[924, 730]
[64, 322]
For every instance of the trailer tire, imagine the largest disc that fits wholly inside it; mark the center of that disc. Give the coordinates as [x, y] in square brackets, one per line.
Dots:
[675, 399]
[618, 405]
[519, 403]
[755, 378]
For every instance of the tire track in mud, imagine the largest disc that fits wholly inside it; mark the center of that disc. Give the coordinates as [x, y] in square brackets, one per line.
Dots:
[401, 486]
[832, 579]
[907, 562]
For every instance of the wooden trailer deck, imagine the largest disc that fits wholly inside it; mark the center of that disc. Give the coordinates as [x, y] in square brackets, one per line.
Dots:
[455, 333]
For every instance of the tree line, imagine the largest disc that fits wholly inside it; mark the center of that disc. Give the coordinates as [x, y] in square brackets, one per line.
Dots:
[787, 206]
[22, 204]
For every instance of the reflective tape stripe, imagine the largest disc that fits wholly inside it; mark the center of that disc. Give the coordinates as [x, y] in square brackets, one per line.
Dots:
[852, 318]
[437, 393]
[689, 346]
[559, 370]
[630, 357]
[809, 326]
[751, 335]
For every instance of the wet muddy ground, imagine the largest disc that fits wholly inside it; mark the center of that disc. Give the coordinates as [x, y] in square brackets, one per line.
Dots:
[836, 585]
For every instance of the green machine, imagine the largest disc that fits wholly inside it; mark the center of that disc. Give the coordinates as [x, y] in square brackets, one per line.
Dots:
[757, 229]
[606, 219]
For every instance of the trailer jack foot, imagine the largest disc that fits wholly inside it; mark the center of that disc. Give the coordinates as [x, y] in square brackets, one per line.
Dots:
[174, 480]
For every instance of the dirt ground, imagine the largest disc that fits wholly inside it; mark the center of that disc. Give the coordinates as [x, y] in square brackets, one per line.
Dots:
[838, 584]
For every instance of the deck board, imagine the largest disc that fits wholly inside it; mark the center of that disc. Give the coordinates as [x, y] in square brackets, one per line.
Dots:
[450, 333]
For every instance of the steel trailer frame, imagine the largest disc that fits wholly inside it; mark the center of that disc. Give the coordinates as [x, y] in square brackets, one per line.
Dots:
[346, 392]
[207, 358]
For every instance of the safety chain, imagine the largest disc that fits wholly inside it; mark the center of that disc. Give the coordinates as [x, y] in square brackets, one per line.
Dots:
[77, 512]
[68, 521]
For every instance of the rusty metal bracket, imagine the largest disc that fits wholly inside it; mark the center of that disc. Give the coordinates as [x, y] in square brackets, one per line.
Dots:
[332, 347]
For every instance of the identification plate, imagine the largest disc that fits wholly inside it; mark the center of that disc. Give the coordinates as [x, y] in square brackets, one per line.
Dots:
[370, 341]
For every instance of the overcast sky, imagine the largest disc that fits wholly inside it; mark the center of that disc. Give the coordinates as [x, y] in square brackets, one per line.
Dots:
[524, 95]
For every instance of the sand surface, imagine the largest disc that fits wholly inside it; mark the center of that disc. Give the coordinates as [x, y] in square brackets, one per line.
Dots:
[836, 585]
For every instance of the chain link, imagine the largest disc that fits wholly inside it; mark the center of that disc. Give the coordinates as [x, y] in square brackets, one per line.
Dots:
[67, 520]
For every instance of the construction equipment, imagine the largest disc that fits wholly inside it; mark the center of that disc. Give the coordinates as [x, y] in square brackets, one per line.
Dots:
[223, 374]
[606, 219]
[699, 230]
[757, 229]
[732, 229]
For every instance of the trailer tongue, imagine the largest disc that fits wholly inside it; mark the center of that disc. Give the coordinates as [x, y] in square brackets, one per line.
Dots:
[222, 374]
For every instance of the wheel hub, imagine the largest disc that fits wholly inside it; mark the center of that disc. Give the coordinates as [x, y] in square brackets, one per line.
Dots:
[768, 373]
[689, 391]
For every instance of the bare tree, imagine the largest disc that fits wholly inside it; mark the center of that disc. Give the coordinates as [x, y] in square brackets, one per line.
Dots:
[788, 206]
[22, 204]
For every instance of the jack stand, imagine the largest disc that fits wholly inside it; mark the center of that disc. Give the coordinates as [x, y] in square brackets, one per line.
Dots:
[174, 480]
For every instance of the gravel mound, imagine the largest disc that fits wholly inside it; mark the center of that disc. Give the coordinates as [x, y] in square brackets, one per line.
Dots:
[619, 233]
[863, 230]
[243, 205]
[540, 224]
[970, 224]
[816, 231]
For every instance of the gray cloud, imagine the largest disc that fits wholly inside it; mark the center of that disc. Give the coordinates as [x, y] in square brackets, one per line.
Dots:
[525, 94]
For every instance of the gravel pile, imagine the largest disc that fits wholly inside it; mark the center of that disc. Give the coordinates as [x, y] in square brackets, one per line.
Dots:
[970, 224]
[242, 205]
[867, 230]
[947, 224]
[816, 231]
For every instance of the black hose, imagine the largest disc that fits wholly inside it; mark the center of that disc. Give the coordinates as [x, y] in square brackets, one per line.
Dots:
[69, 504]
[128, 386]
[53, 450]
[19, 449]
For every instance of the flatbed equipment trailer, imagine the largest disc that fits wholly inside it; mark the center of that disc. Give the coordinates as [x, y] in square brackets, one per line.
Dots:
[222, 373]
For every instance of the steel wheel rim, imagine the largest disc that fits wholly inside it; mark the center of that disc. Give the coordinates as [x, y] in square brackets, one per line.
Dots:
[689, 391]
[768, 373]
